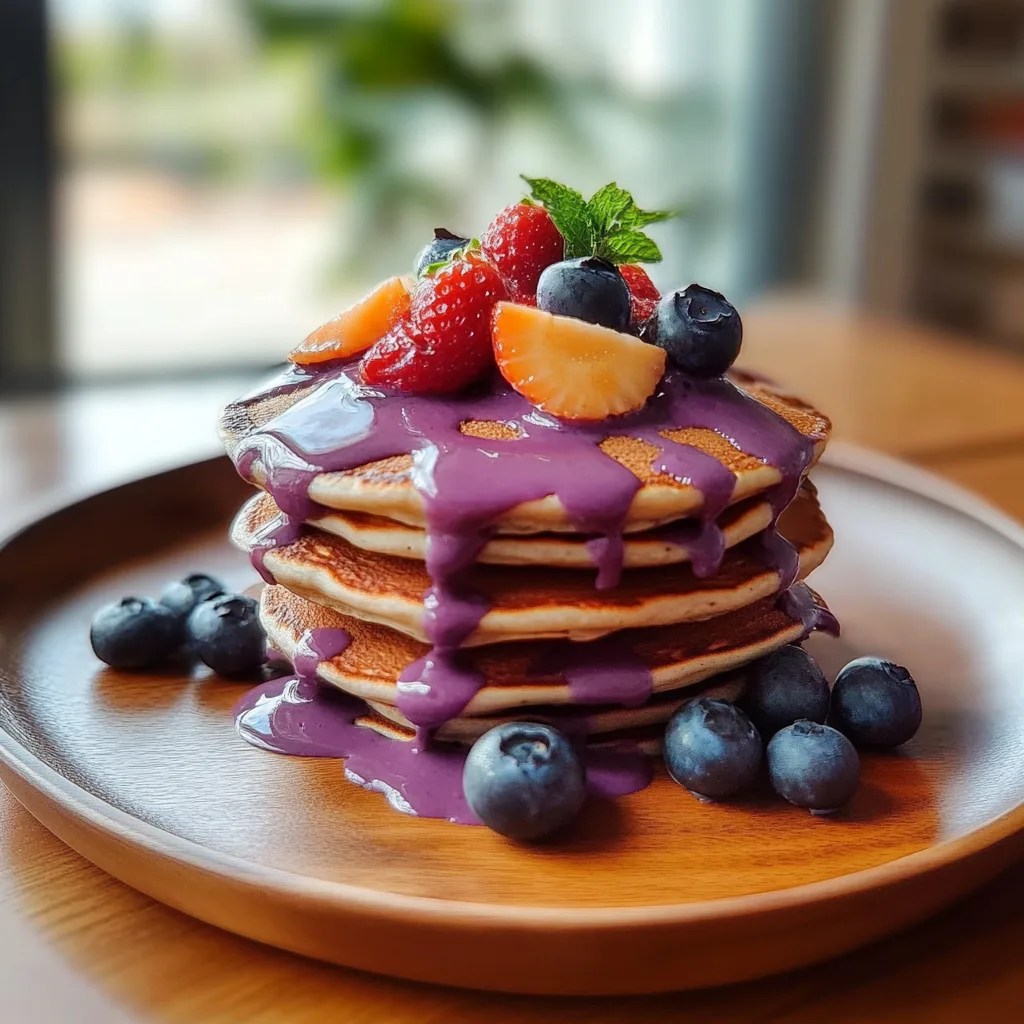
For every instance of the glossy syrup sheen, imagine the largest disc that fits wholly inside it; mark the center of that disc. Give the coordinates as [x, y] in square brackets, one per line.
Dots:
[293, 715]
[466, 483]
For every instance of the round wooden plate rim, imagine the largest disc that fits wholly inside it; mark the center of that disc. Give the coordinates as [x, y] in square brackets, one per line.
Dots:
[37, 509]
[82, 804]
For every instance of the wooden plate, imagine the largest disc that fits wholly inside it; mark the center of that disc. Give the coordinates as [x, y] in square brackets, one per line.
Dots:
[144, 775]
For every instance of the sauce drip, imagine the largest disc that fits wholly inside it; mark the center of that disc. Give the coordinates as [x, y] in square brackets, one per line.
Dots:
[466, 483]
[799, 604]
[602, 671]
[315, 646]
[296, 715]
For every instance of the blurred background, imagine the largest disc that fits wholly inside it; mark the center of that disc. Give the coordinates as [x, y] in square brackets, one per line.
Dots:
[192, 185]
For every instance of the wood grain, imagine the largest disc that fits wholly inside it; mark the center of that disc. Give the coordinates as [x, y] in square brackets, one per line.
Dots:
[899, 388]
[998, 475]
[78, 946]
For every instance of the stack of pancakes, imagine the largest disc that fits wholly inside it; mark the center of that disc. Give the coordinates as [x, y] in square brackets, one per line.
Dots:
[607, 664]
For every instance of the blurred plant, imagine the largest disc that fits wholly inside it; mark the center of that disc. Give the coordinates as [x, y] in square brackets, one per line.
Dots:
[381, 63]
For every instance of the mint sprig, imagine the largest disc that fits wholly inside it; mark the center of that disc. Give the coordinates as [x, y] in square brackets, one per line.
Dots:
[608, 224]
[570, 212]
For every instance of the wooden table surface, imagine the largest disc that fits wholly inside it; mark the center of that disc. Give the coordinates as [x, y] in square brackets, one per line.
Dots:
[78, 946]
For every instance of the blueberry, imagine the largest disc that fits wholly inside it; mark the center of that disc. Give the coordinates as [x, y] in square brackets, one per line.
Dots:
[698, 328]
[783, 687]
[813, 766]
[876, 703]
[134, 633]
[524, 780]
[181, 597]
[439, 249]
[590, 289]
[225, 633]
[712, 748]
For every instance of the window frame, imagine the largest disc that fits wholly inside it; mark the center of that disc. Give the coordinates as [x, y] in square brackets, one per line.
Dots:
[29, 358]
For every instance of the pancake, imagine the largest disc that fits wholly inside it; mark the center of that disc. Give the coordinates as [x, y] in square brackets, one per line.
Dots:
[517, 675]
[386, 487]
[662, 546]
[597, 722]
[645, 739]
[531, 602]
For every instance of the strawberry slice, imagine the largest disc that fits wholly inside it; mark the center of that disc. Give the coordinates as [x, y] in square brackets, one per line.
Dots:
[643, 296]
[358, 327]
[570, 368]
[444, 342]
[521, 242]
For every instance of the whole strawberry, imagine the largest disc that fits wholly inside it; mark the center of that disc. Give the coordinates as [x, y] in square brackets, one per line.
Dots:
[444, 342]
[643, 296]
[522, 241]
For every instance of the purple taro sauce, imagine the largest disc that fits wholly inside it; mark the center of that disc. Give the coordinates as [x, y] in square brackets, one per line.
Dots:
[466, 483]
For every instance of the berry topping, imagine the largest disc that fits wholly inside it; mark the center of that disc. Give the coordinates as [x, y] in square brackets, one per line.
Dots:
[570, 368]
[712, 748]
[783, 687]
[588, 289]
[444, 343]
[643, 296]
[521, 241]
[181, 597]
[876, 703]
[225, 634]
[700, 330]
[358, 327]
[813, 766]
[439, 250]
[134, 633]
[524, 780]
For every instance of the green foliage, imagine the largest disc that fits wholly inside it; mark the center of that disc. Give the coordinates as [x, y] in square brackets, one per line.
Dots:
[568, 209]
[380, 56]
[607, 225]
[378, 64]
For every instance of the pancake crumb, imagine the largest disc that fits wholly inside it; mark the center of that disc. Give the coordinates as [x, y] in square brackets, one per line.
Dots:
[490, 430]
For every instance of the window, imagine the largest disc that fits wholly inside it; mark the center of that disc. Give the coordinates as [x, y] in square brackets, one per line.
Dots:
[233, 172]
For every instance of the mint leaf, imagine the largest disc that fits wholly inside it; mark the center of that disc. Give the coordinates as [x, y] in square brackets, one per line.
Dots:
[608, 224]
[608, 207]
[550, 193]
[641, 218]
[629, 247]
[569, 212]
[614, 211]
